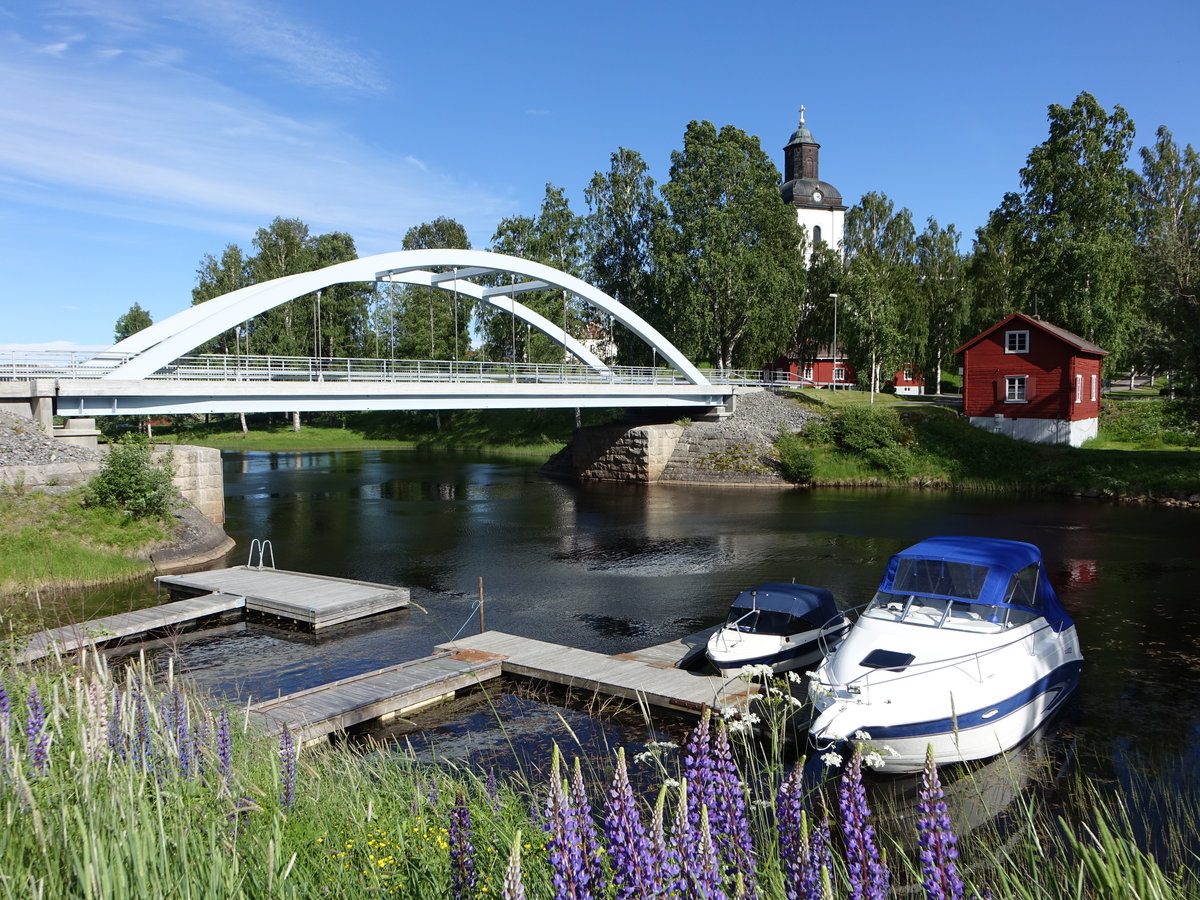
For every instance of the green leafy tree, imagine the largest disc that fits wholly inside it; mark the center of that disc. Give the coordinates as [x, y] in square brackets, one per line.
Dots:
[942, 299]
[993, 286]
[1168, 197]
[553, 238]
[879, 288]
[215, 278]
[132, 322]
[1071, 228]
[825, 278]
[428, 322]
[130, 480]
[729, 254]
[623, 209]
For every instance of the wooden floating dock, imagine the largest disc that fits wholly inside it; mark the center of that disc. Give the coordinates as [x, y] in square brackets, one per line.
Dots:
[155, 619]
[317, 601]
[652, 679]
[313, 714]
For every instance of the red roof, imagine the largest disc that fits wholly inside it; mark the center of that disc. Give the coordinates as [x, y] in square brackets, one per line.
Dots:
[1036, 322]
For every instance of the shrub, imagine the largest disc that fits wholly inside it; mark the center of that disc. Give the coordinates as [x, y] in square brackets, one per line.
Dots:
[130, 480]
[861, 428]
[818, 431]
[796, 462]
[895, 460]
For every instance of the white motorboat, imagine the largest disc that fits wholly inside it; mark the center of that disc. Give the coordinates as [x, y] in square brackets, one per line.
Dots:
[784, 626]
[964, 647]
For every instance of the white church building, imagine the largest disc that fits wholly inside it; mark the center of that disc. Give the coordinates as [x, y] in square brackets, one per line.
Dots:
[817, 203]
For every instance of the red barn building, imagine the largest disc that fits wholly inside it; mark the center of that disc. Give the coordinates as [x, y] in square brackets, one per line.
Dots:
[1033, 381]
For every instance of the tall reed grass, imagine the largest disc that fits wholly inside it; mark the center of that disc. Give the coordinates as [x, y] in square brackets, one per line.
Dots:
[112, 785]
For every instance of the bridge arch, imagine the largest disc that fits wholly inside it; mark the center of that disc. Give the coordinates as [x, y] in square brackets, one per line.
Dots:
[163, 342]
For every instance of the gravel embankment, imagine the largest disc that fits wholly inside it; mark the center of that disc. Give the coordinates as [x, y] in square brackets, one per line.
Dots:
[22, 443]
[756, 419]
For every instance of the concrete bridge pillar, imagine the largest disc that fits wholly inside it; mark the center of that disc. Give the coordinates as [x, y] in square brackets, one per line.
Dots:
[31, 399]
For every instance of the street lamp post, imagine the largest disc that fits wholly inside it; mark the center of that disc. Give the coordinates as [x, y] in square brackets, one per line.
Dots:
[834, 298]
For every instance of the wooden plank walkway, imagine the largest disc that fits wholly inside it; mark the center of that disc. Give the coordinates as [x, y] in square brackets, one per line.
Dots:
[618, 676]
[70, 638]
[316, 600]
[315, 713]
[678, 654]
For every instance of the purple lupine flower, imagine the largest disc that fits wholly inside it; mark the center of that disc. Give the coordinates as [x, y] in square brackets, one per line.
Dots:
[677, 856]
[729, 819]
[629, 848]
[564, 844]
[5, 722]
[819, 869]
[287, 769]
[868, 876]
[492, 789]
[201, 739]
[793, 833]
[591, 851]
[37, 737]
[142, 751]
[462, 852]
[698, 770]
[938, 851]
[433, 790]
[181, 732]
[513, 887]
[224, 748]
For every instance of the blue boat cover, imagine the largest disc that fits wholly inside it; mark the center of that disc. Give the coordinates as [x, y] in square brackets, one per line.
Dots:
[987, 571]
[813, 604]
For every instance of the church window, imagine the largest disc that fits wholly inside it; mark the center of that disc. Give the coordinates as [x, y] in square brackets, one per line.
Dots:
[816, 235]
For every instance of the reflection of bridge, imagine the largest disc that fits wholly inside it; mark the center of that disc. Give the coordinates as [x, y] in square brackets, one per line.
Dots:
[149, 373]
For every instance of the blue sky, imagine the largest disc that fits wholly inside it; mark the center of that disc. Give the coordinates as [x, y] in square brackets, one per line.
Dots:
[138, 135]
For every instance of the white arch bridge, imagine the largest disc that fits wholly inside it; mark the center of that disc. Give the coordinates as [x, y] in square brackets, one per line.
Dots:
[150, 373]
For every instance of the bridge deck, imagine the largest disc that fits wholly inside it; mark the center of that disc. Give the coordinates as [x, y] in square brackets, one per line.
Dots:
[315, 600]
[168, 616]
[656, 682]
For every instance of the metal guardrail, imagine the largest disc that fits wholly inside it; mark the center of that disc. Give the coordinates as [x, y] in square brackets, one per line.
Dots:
[29, 365]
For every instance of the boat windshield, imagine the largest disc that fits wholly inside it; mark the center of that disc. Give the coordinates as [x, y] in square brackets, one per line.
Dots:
[766, 621]
[942, 612]
[940, 577]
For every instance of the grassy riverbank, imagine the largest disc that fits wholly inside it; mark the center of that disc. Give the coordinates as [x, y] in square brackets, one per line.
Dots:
[538, 433]
[119, 787]
[903, 442]
[50, 541]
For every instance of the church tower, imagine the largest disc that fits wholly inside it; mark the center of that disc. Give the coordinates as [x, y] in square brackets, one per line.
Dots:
[817, 203]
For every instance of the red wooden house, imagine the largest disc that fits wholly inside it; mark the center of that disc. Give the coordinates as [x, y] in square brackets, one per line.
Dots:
[1033, 381]
[829, 371]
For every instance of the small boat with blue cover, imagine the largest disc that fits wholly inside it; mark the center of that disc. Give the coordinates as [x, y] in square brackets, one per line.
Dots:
[784, 626]
[964, 647]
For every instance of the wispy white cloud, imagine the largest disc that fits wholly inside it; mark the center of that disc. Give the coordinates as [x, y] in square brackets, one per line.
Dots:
[117, 135]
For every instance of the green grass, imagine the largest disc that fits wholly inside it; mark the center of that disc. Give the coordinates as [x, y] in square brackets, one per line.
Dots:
[53, 541]
[506, 432]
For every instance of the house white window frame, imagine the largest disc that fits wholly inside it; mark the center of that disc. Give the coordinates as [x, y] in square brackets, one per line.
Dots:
[1095, 379]
[1016, 389]
[839, 374]
[807, 372]
[1078, 388]
[1016, 341]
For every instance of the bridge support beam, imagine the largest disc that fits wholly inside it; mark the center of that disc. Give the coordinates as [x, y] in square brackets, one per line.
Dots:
[32, 400]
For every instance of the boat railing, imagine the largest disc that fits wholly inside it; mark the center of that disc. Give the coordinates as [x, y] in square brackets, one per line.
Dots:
[860, 684]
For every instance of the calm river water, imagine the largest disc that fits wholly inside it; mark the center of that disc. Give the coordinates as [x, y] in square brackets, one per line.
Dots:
[612, 568]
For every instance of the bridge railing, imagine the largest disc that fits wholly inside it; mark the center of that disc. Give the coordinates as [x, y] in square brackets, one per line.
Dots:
[75, 365]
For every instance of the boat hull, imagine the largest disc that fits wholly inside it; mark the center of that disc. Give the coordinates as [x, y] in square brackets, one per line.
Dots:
[731, 650]
[976, 734]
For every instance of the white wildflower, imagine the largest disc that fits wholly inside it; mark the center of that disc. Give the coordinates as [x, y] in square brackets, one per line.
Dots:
[762, 670]
[891, 751]
[644, 756]
[873, 759]
[861, 735]
[794, 678]
[670, 782]
[832, 759]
